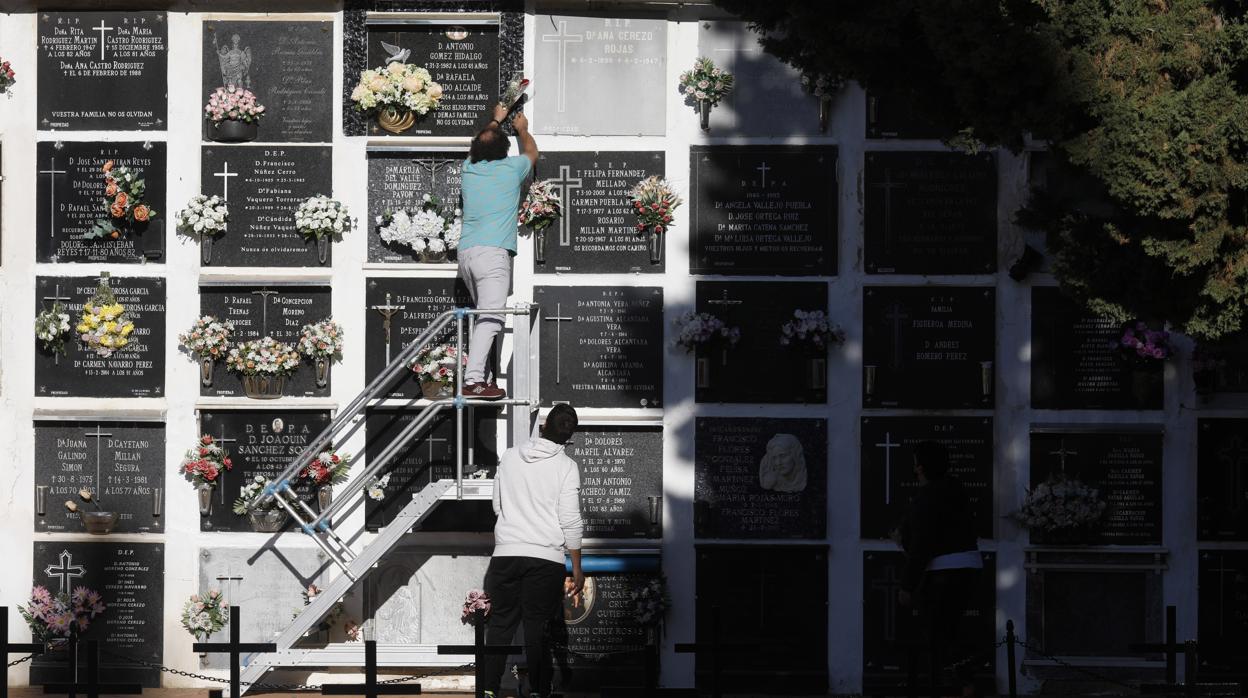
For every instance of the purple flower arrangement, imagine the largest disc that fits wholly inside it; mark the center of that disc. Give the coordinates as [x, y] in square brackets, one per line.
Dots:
[52, 617]
[476, 608]
[1141, 344]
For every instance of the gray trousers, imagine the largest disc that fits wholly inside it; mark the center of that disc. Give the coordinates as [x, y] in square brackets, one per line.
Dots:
[487, 273]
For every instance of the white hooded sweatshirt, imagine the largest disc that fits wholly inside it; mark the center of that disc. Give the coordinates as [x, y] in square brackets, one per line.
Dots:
[537, 498]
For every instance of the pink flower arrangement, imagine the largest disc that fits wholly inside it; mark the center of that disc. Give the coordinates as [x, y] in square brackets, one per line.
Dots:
[330, 467]
[7, 77]
[232, 103]
[61, 616]
[203, 464]
[1139, 342]
[654, 201]
[476, 608]
[437, 364]
[541, 206]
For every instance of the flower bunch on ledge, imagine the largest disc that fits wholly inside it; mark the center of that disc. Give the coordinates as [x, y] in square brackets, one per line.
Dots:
[1062, 505]
[51, 326]
[262, 357]
[209, 338]
[401, 86]
[320, 216]
[436, 364]
[230, 103]
[695, 329]
[654, 200]
[321, 340]
[204, 464]
[329, 468]
[204, 216]
[705, 82]
[203, 615]
[542, 206]
[811, 328]
[426, 231]
[1141, 344]
[61, 616]
[103, 327]
[123, 203]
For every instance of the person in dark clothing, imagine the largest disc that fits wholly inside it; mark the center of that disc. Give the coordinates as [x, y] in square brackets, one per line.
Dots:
[943, 563]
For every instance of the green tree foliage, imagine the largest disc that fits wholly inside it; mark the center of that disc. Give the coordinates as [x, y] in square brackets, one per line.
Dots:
[1142, 103]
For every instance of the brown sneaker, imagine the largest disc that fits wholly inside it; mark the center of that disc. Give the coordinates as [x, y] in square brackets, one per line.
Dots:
[483, 391]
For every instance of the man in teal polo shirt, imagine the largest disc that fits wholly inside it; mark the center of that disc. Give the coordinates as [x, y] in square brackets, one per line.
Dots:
[491, 187]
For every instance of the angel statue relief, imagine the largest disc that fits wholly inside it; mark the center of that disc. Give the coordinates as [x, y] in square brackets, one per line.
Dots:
[235, 62]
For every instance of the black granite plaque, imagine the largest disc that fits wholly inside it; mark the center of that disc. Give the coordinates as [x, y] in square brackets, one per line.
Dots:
[131, 579]
[888, 627]
[260, 442]
[793, 373]
[1223, 611]
[138, 370]
[411, 305]
[621, 480]
[264, 186]
[888, 483]
[930, 213]
[1222, 479]
[763, 210]
[1125, 465]
[462, 58]
[285, 64]
[398, 181]
[892, 114]
[928, 347]
[432, 456]
[760, 478]
[602, 345]
[121, 463]
[751, 589]
[69, 198]
[1068, 598]
[1076, 362]
[279, 312]
[1221, 367]
[598, 230]
[605, 643]
[103, 71]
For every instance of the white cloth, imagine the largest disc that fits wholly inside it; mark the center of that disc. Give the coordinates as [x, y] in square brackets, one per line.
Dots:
[486, 272]
[537, 497]
[965, 560]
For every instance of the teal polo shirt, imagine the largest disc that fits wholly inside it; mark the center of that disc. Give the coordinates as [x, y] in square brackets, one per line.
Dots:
[491, 193]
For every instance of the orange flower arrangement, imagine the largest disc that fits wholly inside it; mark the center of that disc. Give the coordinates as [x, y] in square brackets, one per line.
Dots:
[123, 203]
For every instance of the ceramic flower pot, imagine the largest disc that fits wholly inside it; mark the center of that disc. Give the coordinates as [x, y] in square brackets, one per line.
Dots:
[433, 257]
[704, 112]
[270, 521]
[433, 390]
[539, 246]
[322, 372]
[204, 492]
[205, 371]
[98, 522]
[655, 243]
[322, 248]
[394, 120]
[234, 131]
[264, 387]
[324, 496]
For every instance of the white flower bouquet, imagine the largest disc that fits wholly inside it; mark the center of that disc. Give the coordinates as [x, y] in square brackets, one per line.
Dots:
[321, 216]
[262, 357]
[696, 329]
[51, 326]
[436, 364]
[251, 492]
[541, 207]
[426, 231]
[812, 329]
[705, 82]
[209, 338]
[321, 340]
[204, 216]
[376, 487]
[205, 614]
[1062, 505]
[400, 86]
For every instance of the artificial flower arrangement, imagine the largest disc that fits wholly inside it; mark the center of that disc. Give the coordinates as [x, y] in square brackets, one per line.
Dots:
[123, 203]
[329, 468]
[103, 327]
[203, 217]
[696, 329]
[51, 326]
[1139, 344]
[322, 217]
[262, 357]
[398, 92]
[654, 200]
[8, 78]
[476, 608]
[208, 339]
[61, 616]
[251, 492]
[810, 328]
[820, 85]
[427, 232]
[706, 82]
[542, 206]
[205, 614]
[203, 464]
[1062, 504]
[230, 103]
[436, 363]
[376, 487]
[650, 602]
[321, 340]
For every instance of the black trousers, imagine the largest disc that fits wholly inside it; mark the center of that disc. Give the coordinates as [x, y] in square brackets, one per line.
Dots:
[944, 597]
[528, 590]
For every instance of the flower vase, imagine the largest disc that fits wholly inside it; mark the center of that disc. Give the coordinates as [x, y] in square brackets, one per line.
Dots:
[394, 120]
[816, 372]
[322, 248]
[702, 371]
[825, 113]
[268, 521]
[206, 365]
[656, 247]
[433, 257]
[322, 372]
[704, 112]
[264, 387]
[204, 492]
[539, 246]
[324, 496]
[98, 522]
[434, 390]
[234, 131]
[205, 250]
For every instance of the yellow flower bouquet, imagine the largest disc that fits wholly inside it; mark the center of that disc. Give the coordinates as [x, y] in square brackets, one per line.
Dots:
[104, 327]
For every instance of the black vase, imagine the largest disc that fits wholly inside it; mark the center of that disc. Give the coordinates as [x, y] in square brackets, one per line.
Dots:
[234, 131]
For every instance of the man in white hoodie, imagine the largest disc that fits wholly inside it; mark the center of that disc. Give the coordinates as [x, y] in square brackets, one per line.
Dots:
[537, 498]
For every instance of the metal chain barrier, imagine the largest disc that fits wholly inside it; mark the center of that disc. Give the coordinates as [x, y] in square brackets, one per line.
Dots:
[1067, 665]
[23, 660]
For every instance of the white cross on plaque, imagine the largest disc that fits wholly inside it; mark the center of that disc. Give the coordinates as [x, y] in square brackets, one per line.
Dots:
[225, 175]
[432, 439]
[897, 315]
[66, 573]
[101, 29]
[558, 318]
[52, 172]
[724, 300]
[1061, 454]
[763, 169]
[887, 186]
[221, 441]
[890, 584]
[98, 434]
[56, 296]
[888, 447]
[563, 38]
[564, 184]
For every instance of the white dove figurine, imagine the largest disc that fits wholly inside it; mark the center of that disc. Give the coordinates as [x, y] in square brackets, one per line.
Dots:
[396, 54]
